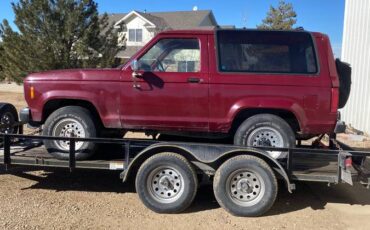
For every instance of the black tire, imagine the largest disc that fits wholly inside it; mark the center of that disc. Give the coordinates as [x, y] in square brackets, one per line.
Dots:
[283, 134]
[238, 203]
[83, 119]
[186, 183]
[8, 117]
[344, 73]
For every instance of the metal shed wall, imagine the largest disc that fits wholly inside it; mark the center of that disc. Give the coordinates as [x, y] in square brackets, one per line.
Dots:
[356, 51]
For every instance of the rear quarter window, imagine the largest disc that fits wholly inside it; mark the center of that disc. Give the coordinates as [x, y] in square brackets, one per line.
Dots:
[266, 52]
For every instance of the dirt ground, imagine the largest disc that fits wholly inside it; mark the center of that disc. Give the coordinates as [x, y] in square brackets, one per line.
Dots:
[56, 199]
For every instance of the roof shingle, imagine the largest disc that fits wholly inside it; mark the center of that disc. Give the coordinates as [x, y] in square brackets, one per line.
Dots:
[172, 20]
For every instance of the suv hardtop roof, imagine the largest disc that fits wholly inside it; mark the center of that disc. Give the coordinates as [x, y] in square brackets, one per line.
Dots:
[212, 30]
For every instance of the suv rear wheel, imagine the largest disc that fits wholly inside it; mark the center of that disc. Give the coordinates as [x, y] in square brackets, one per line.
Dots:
[265, 130]
[70, 121]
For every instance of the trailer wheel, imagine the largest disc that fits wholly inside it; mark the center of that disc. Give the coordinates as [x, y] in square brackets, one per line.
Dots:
[70, 121]
[166, 183]
[245, 186]
[8, 117]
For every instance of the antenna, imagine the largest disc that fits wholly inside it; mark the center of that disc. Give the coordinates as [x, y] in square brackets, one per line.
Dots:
[244, 19]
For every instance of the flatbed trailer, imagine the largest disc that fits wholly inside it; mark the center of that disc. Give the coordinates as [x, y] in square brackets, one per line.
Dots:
[167, 173]
[329, 165]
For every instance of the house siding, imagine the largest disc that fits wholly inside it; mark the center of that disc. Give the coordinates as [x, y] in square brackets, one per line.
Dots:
[356, 51]
[138, 23]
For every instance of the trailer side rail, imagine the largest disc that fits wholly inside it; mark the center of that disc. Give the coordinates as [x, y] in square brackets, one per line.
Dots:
[301, 164]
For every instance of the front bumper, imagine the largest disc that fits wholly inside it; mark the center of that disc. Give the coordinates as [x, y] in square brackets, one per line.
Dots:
[25, 115]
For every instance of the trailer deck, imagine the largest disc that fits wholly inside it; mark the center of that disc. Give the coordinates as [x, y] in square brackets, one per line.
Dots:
[302, 164]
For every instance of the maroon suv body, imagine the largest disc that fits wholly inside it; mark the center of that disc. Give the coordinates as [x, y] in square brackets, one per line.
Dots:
[202, 81]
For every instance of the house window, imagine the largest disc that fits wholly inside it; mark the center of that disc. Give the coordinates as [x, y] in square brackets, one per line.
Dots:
[135, 35]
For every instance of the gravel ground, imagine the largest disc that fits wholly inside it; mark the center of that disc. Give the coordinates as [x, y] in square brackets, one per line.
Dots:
[98, 200]
[56, 199]
[11, 87]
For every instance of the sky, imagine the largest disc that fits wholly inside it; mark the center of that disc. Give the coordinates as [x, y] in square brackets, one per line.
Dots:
[324, 16]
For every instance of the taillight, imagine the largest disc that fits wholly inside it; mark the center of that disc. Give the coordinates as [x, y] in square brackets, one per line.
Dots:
[348, 162]
[334, 100]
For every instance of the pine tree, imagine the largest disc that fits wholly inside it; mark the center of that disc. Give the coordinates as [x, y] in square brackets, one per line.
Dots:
[1, 55]
[281, 18]
[56, 34]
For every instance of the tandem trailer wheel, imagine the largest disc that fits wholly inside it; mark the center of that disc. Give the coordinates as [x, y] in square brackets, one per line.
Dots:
[166, 183]
[245, 186]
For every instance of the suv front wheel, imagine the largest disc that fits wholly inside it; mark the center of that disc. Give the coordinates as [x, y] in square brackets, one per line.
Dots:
[265, 130]
[70, 121]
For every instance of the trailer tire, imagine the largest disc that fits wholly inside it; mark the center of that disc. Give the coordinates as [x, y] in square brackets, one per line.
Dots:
[166, 183]
[63, 122]
[8, 116]
[245, 186]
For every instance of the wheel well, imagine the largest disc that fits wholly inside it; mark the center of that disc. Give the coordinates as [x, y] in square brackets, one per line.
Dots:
[286, 115]
[53, 105]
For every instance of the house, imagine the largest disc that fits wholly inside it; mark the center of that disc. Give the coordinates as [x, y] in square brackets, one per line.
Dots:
[136, 28]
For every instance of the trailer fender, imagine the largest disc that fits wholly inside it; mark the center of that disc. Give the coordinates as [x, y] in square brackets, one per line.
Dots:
[206, 154]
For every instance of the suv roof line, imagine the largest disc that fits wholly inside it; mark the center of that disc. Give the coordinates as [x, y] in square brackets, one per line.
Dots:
[212, 30]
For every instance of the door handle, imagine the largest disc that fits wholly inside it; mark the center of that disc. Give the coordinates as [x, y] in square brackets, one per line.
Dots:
[194, 80]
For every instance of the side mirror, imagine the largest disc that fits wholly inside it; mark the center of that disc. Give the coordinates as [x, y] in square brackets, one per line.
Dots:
[135, 74]
[135, 65]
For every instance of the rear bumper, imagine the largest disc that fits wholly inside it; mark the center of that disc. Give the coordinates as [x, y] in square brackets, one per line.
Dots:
[340, 127]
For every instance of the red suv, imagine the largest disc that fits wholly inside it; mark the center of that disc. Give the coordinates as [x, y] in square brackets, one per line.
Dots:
[263, 88]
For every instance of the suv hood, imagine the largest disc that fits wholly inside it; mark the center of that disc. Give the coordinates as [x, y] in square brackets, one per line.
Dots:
[76, 75]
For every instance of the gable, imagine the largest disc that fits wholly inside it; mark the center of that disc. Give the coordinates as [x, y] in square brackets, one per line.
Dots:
[134, 17]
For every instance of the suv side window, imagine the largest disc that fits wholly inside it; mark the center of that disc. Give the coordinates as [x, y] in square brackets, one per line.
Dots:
[266, 52]
[172, 55]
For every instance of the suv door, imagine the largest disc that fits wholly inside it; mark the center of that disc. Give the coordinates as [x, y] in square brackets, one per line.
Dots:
[172, 89]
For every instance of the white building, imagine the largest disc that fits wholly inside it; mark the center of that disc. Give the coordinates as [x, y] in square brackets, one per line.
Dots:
[356, 51]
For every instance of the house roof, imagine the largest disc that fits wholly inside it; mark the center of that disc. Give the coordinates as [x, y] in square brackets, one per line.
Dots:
[171, 20]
